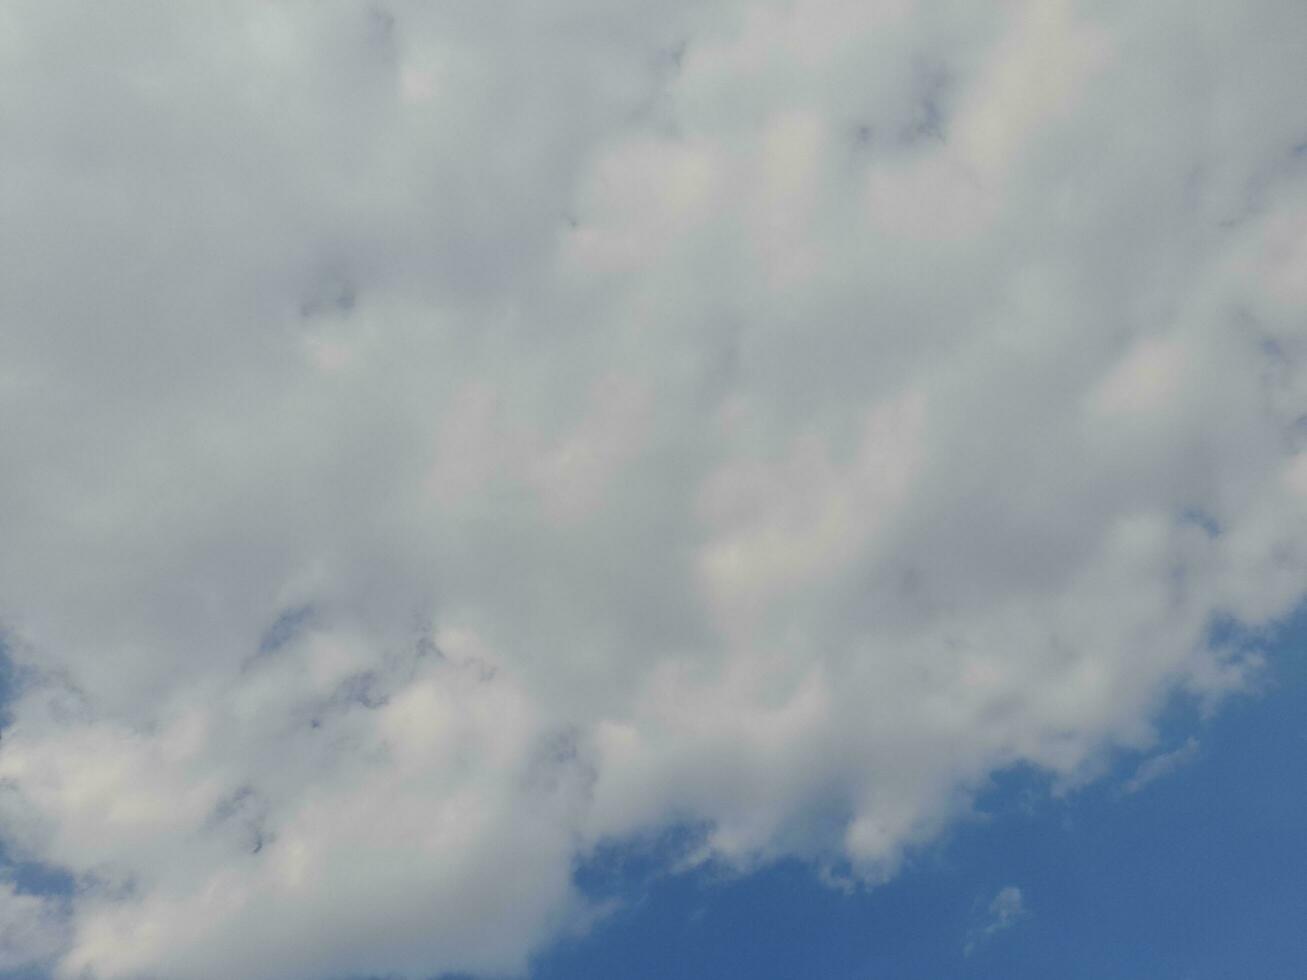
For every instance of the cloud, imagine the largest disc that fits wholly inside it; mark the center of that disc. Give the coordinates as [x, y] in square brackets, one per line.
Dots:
[1006, 909]
[31, 928]
[1161, 764]
[441, 440]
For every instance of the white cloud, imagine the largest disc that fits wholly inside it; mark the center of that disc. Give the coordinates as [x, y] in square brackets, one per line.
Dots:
[1006, 909]
[1161, 764]
[31, 928]
[776, 416]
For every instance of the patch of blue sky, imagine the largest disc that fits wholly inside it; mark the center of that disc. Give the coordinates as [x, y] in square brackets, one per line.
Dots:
[285, 628]
[1194, 873]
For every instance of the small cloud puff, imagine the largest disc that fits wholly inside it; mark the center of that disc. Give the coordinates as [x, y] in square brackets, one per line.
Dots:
[1162, 764]
[1005, 910]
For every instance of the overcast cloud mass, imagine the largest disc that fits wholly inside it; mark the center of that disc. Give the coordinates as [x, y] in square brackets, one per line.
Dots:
[439, 438]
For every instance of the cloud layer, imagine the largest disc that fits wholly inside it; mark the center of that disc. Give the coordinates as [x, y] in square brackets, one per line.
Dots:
[439, 439]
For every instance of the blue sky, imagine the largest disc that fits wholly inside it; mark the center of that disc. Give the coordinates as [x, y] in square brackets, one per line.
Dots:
[1195, 876]
[715, 487]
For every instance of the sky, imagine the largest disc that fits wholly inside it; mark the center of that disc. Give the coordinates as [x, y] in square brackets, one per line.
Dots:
[1193, 873]
[772, 488]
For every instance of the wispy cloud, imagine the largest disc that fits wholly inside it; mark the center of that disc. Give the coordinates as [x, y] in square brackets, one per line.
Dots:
[1162, 764]
[1005, 909]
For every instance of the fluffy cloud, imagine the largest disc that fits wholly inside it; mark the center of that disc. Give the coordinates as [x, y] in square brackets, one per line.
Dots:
[31, 928]
[442, 438]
